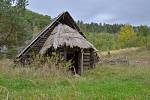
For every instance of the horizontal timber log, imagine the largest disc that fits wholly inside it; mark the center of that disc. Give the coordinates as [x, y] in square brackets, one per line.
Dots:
[86, 60]
[87, 54]
[86, 63]
[86, 57]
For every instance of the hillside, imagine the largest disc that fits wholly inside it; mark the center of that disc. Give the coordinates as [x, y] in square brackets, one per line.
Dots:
[18, 25]
[106, 82]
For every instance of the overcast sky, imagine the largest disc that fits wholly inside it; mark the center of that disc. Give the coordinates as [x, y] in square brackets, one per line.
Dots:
[109, 11]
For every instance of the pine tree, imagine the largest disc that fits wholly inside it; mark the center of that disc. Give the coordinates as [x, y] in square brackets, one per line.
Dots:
[12, 23]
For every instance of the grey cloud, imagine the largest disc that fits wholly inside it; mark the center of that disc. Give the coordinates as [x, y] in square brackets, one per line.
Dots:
[108, 11]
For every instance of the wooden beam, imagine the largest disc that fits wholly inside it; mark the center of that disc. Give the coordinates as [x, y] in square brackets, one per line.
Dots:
[65, 53]
[82, 61]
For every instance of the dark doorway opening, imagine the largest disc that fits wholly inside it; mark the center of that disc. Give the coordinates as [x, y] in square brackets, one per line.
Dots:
[74, 57]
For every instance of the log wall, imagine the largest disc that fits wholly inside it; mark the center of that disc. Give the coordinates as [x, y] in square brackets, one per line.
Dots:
[88, 59]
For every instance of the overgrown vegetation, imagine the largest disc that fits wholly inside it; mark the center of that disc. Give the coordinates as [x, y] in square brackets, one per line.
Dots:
[103, 41]
[106, 82]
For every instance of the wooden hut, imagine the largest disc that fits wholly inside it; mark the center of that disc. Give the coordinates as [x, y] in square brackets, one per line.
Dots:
[64, 36]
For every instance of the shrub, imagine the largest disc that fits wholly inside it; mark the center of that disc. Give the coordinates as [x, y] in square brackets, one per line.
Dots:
[46, 66]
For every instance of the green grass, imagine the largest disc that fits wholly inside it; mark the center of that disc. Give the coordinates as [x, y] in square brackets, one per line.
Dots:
[106, 82]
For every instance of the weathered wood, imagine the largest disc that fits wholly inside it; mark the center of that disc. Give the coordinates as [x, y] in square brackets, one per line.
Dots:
[86, 63]
[86, 57]
[82, 52]
[65, 53]
[86, 60]
[116, 60]
[86, 54]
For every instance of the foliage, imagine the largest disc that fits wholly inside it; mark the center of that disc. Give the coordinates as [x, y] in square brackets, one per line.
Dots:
[144, 30]
[18, 25]
[99, 27]
[40, 61]
[148, 42]
[11, 21]
[36, 21]
[102, 41]
[16, 22]
[127, 36]
[104, 36]
[143, 34]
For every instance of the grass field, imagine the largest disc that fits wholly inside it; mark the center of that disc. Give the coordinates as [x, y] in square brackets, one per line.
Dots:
[106, 82]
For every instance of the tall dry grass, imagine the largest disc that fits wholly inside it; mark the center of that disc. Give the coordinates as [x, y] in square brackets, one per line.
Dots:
[49, 70]
[41, 67]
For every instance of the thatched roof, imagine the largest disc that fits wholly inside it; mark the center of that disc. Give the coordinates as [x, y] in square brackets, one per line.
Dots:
[40, 41]
[64, 18]
[64, 35]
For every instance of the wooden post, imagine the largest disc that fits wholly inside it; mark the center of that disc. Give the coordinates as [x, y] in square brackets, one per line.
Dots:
[82, 60]
[65, 53]
[93, 58]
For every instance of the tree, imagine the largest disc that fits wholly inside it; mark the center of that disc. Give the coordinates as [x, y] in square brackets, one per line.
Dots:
[12, 23]
[127, 36]
[144, 31]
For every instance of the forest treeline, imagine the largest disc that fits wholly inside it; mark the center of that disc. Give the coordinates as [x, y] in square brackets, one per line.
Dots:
[18, 25]
[116, 36]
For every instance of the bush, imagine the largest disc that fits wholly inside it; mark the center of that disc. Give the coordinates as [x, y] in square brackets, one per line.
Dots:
[148, 42]
[46, 66]
[11, 53]
[102, 41]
